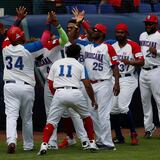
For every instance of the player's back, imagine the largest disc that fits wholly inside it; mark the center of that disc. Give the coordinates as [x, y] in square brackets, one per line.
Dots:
[18, 64]
[67, 72]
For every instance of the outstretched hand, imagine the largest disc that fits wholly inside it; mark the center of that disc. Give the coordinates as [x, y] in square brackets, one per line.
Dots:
[52, 18]
[75, 12]
[79, 16]
[21, 12]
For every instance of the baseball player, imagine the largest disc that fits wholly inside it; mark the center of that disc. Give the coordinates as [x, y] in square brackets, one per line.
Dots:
[64, 82]
[19, 84]
[100, 61]
[52, 52]
[129, 56]
[75, 117]
[21, 13]
[149, 81]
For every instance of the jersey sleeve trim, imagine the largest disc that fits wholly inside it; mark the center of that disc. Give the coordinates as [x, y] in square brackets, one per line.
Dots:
[51, 44]
[83, 42]
[33, 47]
[112, 54]
[136, 50]
[6, 43]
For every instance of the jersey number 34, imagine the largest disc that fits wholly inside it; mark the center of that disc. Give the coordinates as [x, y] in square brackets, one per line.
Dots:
[17, 63]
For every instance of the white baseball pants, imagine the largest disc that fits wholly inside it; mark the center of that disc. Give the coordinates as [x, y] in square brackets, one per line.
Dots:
[19, 97]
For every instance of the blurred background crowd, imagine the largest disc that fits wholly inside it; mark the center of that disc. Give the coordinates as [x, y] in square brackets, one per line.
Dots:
[90, 6]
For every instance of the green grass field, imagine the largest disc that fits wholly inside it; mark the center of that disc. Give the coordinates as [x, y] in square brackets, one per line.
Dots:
[146, 150]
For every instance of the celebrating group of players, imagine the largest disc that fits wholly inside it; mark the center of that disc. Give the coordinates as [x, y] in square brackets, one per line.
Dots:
[87, 81]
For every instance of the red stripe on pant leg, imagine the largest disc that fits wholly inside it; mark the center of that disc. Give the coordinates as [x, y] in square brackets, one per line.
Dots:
[88, 125]
[47, 132]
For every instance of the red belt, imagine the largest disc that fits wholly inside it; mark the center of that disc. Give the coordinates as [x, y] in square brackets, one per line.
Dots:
[96, 81]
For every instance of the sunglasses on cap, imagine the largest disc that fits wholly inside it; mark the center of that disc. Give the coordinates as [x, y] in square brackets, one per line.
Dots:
[149, 23]
[96, 30]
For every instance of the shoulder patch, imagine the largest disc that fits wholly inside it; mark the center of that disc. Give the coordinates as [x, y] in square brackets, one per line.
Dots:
[114, 58]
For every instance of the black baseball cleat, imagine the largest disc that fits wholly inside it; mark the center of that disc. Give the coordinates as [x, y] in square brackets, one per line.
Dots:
[11, 148]
[148, 134]
[85, 145]
[105, 147]
[118, 141]
[90, 146]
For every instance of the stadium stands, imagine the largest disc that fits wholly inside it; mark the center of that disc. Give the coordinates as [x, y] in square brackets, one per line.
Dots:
[157, 7]
[145, 8]
[106, 8]
[88, 8]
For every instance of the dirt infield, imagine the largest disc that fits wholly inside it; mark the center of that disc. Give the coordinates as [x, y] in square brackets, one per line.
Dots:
[38, 135]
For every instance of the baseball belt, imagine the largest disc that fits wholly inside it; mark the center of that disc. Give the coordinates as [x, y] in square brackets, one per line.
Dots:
[96, 81]
[67, 87]
[126, 75]
[150, 68]
[13, 81]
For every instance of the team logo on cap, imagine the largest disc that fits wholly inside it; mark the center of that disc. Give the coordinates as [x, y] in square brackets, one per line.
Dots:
[148, 17]
[17, 36]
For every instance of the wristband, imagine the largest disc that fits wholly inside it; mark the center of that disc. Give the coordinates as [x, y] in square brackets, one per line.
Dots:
[59, 26]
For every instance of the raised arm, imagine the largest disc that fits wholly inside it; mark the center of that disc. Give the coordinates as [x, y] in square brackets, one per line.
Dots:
[53, 20]
[79, 16]
[21, 14]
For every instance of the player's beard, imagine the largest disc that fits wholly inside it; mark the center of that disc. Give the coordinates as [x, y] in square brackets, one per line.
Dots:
[151, 30]
[120, 38]
[95, 37]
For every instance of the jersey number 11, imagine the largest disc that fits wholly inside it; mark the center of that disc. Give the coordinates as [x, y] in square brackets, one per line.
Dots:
[62, 68]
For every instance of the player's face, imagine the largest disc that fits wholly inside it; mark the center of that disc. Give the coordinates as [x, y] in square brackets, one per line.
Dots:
[121, 35]
[150, 27]
[96, 34]
[70, 27]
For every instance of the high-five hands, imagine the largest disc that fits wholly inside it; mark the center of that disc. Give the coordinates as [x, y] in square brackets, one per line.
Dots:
[52, 18]
[21, 12]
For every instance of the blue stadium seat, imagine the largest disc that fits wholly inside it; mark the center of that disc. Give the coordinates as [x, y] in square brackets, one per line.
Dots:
[157, 7]
[68, 9]
[88, 8]
[106, 8]
[144, 8]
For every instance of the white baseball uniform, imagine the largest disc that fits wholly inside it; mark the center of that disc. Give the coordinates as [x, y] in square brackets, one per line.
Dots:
[66, 75]
[52, 53]
[149, 77]
[98, 61]
[19, 89]
[128, 81]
